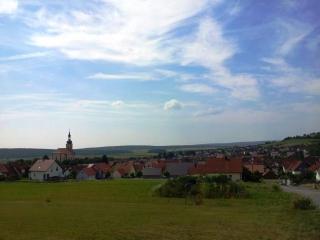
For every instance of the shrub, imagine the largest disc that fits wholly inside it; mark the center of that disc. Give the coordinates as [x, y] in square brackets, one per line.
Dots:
[303, 204]
[199, 187]
[276, 188]
[248, 176]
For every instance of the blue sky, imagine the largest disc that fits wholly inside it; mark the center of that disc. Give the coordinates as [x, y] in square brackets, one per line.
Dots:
[165, 72]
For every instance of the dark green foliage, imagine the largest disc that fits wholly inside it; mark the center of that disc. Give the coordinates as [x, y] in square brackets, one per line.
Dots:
[276, 188]
[314, 135]
[104, 158]
[108, 175]
[208, 187]
[139, 174]
[248, 176]
[303, 204]
[304, 177]
[166, 174]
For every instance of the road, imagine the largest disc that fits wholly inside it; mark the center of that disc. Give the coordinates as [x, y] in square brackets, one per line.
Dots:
[313, 194]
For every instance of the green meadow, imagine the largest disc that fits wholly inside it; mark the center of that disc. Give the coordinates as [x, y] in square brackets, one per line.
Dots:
[127, 209]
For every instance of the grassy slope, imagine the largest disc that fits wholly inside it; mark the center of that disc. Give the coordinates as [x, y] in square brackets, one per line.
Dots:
[126, 209]
[293, 142]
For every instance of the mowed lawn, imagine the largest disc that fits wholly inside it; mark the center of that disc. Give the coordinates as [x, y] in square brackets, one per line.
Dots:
[126, 209]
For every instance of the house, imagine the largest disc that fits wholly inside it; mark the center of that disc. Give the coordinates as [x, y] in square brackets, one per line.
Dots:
[87, 173]
[152, 172]
[176, 169]
[45, 169]
[316, 169]
[125, 169]
[102, 170]
[67, 153]
[3, 170]
[269, 174]
[293, 166]
[231, 167]
[255, 167]
[117, 174]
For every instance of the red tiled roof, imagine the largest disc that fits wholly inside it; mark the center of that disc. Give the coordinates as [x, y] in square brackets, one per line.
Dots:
[291, 165]
[218, 165]
[3, 168]
[125, 168]
[63, 151]
[315, 166]
[104, 167]
[159, 164]
[254, 167]
[89, 171]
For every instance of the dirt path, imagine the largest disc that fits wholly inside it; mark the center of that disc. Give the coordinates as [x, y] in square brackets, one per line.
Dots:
[313, 194]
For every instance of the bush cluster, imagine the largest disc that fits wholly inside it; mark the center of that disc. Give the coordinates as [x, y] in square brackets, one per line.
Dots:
[201, 187]
[276, 188]
[303, 204]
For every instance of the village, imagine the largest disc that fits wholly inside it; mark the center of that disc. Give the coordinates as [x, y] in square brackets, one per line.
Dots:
[289, 165]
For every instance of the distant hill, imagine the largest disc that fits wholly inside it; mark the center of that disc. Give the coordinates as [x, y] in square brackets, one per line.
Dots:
[116, 151]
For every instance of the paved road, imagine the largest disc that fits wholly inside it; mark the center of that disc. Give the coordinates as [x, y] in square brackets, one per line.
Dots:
[313, 194]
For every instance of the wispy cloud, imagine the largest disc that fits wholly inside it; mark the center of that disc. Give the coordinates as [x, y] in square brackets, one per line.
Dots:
[134, 76]
[198, 88]
[294, 32]
[120, 31]
[210, 49]
[8, 6]
[24, 56]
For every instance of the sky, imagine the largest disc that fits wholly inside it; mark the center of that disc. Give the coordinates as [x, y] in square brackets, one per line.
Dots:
[120, 72]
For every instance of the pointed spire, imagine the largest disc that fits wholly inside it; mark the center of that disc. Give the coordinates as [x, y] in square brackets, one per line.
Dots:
[69, 135]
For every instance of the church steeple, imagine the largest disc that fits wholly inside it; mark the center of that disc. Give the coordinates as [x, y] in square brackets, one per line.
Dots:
[69, 144]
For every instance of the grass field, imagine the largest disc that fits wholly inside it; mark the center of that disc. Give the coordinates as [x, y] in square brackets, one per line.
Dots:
[126, 209]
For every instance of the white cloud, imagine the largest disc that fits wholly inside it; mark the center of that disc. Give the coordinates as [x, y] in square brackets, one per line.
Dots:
[210, 49]
[140, 32]
[134, 76]
[172, 104]
[285, 76]
[117, 104]
[123, 31]
[24, 56]
[8, 6]
[198, 88]
[294, 33]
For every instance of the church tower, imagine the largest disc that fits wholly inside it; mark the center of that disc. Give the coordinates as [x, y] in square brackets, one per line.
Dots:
[69, 144]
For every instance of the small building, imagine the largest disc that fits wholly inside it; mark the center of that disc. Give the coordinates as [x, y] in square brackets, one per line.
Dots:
[293, 166]
[102, 169]
[87, 173]
[117, 174]
[176, 169]
[45, 169]
[151, 172]
[67, 153]
[269, 174]
[316, 169]
[254, 167]
[232, 167]
[125, 169]
[3, 170]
